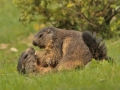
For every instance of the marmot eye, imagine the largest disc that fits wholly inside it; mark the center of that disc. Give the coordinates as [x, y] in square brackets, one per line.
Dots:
[40, 35]
[26, 56]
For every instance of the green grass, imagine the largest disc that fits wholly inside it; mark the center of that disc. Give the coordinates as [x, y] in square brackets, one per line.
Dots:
[95, 76]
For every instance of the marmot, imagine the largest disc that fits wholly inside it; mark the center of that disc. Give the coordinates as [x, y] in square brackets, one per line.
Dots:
[27, 62]
[76, 48]
[35, 62]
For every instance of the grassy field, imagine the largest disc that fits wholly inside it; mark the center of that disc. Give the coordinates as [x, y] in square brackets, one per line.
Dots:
[95, 76]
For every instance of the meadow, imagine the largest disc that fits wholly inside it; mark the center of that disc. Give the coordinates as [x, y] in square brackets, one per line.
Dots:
[15, 38]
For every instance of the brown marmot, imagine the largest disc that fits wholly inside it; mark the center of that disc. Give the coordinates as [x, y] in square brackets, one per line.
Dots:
[27, 62]
[36, 62]
[76, 48]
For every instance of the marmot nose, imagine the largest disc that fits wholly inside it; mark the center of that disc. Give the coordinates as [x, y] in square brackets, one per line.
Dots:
[34, 43]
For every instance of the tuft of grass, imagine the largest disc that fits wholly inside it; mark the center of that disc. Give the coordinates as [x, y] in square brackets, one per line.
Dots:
[95, 76]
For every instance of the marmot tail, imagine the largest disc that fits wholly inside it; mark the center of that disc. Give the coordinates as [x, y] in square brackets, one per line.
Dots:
[96, 45]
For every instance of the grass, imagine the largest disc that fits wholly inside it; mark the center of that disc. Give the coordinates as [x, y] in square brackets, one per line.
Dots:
[95, 76]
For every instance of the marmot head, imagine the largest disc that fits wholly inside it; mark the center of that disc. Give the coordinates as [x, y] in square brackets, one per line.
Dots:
[27, 62]
[43, 37]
